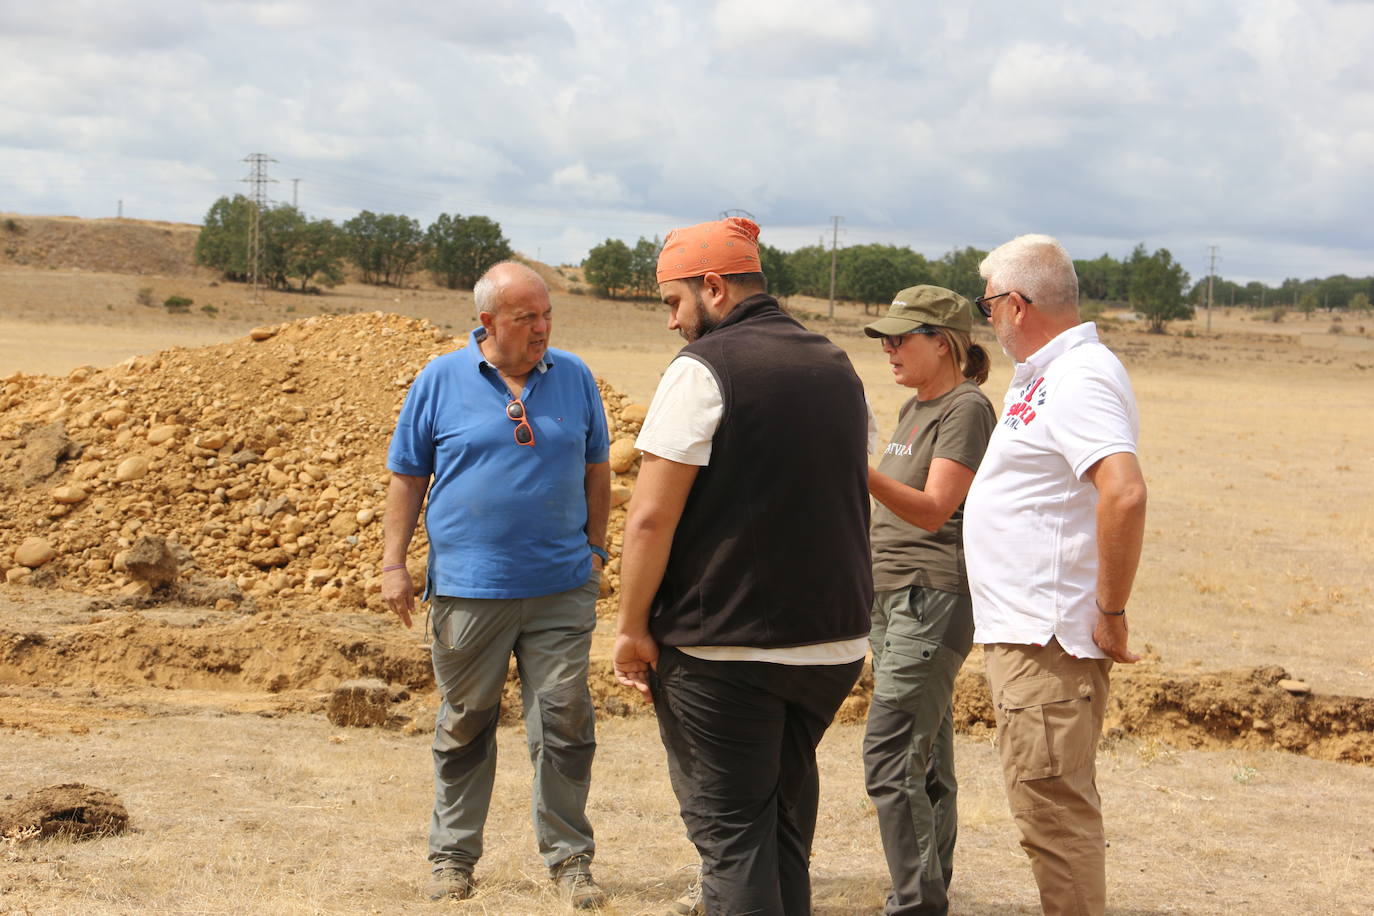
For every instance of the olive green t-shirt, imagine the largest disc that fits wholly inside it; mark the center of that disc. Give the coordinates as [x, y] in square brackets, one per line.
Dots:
[956, 426]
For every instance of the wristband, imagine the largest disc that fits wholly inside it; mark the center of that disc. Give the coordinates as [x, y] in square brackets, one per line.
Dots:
[1102, 610]
[393, 566]
[600, 552]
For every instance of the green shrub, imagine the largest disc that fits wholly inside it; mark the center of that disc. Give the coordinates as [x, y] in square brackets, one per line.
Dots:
[210, 310]
[178, 305]
[145, 295]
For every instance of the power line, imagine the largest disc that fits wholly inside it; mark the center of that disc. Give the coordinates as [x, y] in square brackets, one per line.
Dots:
[257, 184]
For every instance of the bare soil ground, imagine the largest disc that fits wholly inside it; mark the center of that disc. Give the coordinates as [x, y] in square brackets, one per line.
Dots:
[206, 717]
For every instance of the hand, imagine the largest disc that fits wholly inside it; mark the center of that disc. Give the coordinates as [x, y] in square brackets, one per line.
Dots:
[598, 564]
[1111, 634]
[632, 658]
[398, 591]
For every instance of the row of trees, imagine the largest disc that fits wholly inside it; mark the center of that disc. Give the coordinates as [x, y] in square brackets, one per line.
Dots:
[386, 248]
[1154, 284]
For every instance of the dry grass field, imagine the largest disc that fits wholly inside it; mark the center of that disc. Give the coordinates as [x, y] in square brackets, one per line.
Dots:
[1260, 532]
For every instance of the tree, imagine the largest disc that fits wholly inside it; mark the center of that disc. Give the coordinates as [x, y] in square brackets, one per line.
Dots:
[459, 249]
[608, 267]
[644, 266]
[873, 274]
[315, 249]
[385, 246]
[223, 240]
[1359, 302]
[809, 269]
[1157, 285]
[774, 265]
[957, 270]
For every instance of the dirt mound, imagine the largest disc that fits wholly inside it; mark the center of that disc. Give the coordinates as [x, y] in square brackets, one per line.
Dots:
[262, 460]
[109, 245]
[70, 810]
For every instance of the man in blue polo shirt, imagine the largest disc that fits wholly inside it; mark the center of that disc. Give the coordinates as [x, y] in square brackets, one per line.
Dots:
[513, 436]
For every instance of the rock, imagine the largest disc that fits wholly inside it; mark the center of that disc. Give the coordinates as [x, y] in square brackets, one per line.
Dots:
[244, 457]
[262, 333]
[132, 468]
[620, 494]
[43, 449]
[214, 441]
[365, 516]
[318, 577]
[18, 575]
[34, 552]
[136, 590]
[68, 495]
[1297, 688]
[113, 417]
[361, 702]
[634, 414]
[623, 455]
[150, 560]
[160, 434]
[268, 559]
[343, 525]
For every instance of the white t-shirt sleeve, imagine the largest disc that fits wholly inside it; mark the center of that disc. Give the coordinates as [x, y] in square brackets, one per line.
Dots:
[872, 428]
[1092, 420]
[684, 414]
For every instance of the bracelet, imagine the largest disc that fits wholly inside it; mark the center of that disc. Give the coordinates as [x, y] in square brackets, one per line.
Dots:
[393, 566]
[600, 552]
[1102, 610]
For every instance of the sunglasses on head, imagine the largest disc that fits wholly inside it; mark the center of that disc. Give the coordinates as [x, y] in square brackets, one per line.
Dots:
[524, 433]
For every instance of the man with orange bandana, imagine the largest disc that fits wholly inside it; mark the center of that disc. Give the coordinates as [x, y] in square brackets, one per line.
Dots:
[745, 573]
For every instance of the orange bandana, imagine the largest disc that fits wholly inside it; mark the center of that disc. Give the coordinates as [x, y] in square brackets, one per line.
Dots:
[725, 246]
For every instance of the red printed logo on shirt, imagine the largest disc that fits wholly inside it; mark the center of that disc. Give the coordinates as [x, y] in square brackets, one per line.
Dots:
[1022, 411]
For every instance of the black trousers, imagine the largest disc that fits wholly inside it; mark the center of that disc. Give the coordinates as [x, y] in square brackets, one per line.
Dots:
[741, 739]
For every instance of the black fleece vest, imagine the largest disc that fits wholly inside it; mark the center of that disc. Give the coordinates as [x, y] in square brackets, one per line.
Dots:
[772, 547]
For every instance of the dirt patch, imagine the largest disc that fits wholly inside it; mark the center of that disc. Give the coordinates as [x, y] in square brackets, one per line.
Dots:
[127, 246]
[71, 810]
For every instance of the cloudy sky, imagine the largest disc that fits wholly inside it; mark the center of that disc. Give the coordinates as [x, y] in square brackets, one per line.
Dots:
[1245, 124]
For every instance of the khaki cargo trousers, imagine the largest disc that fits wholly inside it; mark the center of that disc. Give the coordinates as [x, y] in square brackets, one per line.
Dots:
[1049, 707]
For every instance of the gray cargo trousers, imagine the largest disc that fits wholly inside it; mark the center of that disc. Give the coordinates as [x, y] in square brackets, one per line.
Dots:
[920, 637]
[474, 638]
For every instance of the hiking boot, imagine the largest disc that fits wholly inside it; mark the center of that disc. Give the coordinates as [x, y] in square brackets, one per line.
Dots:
[452, 882]
[574, 878]
[690, 903]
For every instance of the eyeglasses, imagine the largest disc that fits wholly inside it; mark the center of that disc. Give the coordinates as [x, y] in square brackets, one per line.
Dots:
[895, 340]
[982, 301]
[524, 433]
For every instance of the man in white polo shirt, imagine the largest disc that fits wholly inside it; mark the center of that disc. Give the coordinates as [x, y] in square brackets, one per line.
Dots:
[1053, 527]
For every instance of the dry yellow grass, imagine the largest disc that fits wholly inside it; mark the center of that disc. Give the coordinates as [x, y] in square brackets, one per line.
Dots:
[244, 814]
[1262, 504]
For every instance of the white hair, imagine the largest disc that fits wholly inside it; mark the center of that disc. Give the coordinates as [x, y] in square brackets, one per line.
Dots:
[1037, 267]
[487, 291]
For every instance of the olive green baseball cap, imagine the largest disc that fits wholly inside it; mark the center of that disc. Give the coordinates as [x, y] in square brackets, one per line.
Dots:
[918, 305]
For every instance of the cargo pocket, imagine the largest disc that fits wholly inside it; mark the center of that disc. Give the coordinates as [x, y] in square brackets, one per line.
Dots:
[1048, 728]
[906, 663]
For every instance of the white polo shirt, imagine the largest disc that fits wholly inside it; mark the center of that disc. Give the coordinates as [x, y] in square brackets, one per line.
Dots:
[681, 425]
[1030, 520]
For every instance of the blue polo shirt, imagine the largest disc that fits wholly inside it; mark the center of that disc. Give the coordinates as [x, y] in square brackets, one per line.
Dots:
[504, 520]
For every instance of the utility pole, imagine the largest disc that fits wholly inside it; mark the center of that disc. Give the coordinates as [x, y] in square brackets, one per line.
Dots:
[834, 245]
[1211, 272]
[121, 208]
[257, 182]
[295, 186]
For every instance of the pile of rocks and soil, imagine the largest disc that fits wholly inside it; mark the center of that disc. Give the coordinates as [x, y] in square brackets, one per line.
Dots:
[252, 471]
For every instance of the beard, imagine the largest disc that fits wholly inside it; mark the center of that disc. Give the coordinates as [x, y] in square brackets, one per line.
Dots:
[703, 325]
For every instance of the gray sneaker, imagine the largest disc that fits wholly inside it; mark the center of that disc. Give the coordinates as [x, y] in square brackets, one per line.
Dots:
[574, 878]
[452, 882]
[690, 903]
